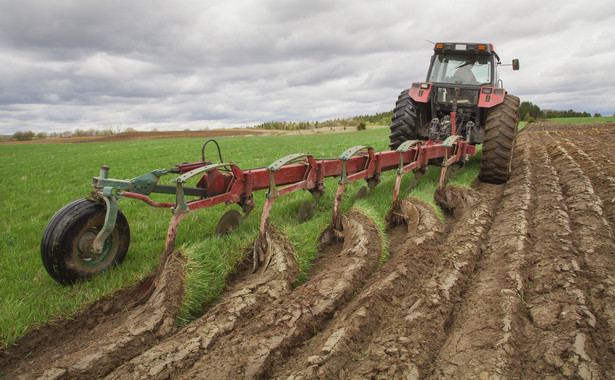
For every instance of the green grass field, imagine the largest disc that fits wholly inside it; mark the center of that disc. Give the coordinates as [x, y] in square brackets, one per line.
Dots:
[38, 179]
[579, 120]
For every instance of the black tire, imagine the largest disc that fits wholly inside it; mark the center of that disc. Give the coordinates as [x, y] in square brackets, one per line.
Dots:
[499, 140]
[404, 120]
[70, 231]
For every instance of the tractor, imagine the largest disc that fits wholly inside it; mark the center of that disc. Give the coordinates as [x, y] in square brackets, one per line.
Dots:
[463, 96]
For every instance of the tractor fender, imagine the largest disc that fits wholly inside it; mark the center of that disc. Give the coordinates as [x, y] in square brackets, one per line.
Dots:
[490, 96]
[419, 92]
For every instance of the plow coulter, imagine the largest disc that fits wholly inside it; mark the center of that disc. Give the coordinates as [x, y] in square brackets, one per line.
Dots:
[90, 235]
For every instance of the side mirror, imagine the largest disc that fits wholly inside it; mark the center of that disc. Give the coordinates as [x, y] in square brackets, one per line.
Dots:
[515, 64]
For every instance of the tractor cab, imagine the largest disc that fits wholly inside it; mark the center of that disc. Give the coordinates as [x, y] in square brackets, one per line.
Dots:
[461, 69]
[458, 71]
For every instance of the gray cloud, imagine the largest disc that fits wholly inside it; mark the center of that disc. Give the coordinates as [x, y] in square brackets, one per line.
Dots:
[190, 64]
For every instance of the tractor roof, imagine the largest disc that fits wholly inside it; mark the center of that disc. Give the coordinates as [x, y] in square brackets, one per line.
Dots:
[465, 47]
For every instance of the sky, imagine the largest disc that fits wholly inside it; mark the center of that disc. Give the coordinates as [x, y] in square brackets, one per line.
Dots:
[175, 65]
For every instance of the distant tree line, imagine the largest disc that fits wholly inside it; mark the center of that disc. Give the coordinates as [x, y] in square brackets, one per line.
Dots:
[29, 135]
[23, 136]
[302, 125]
[531, 112]
[288, 125]
[383, 118]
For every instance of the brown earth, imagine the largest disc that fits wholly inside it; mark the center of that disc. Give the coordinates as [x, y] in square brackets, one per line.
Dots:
[205, 134]
[129, 136]
[518, 283]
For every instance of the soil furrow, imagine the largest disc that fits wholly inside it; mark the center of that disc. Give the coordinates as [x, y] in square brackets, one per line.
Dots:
[417, 309]
[592, 141]
[258, 339]
[245, 298]
[608, 165]
[422, 280]
[603, 184]
[480, 341]
[98, 343]
[407, 344]
[553, 289]
[303, 313]
[343, 343]
[590, 340]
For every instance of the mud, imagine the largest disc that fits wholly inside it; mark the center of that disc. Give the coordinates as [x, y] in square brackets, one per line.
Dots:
[518, 282]
[90, 344]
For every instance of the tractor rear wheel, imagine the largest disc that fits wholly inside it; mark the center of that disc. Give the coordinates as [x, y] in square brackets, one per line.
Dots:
[404, 120]
[499, 140]
[67, 241]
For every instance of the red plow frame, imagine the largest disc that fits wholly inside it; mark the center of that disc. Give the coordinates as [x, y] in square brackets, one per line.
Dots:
[227, 183]
[77, 243]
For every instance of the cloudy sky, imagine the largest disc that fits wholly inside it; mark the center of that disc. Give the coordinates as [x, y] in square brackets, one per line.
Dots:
[146, 64]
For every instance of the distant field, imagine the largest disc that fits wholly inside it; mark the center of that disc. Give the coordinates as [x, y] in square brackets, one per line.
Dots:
[579, 120]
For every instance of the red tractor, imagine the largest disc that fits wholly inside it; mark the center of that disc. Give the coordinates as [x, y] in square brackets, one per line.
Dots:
[463, 96]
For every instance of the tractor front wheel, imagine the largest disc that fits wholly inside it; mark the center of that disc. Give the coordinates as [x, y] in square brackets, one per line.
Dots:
[499, 141]
[68, 237]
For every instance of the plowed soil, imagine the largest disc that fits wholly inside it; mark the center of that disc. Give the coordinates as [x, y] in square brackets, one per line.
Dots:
[518, 283]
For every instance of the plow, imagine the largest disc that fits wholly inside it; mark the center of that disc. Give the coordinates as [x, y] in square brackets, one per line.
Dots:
[90, 235]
